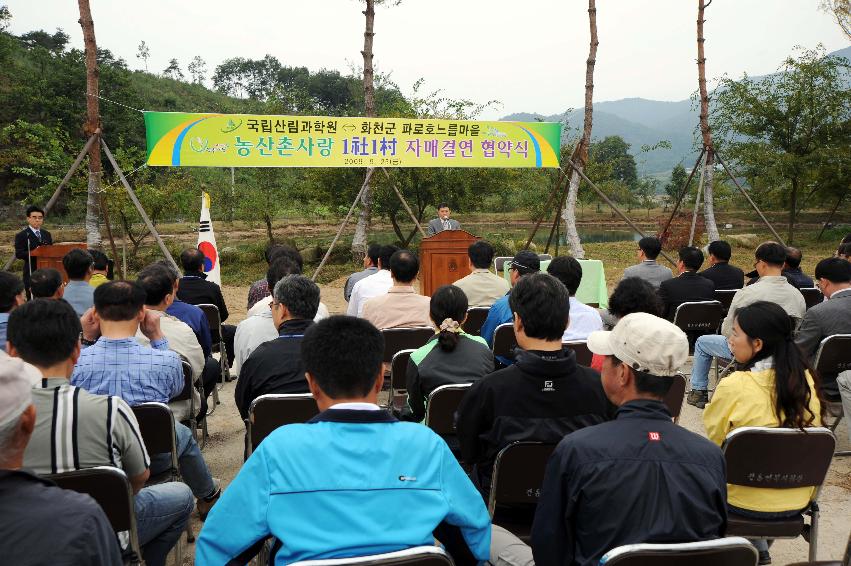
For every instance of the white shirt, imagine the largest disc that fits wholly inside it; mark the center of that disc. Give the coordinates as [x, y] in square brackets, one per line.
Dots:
[583, 321]
[356, 406]
[367, 288]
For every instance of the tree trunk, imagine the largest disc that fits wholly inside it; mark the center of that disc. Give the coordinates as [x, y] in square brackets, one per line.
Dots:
[268, 220]
[708, 204]
[793, 209]
[830, 218]
[359, 241]
[92, 125]
[571, 234]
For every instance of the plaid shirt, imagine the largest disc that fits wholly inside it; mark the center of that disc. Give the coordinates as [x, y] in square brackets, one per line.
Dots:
[126, 369]
[258, 291]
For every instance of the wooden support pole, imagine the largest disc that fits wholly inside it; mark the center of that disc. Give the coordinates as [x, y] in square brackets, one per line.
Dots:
[697, 202]
[404, 203]
[683, 193]
[748, 197]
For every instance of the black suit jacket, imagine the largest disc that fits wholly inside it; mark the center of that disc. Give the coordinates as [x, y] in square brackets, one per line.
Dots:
[21, 239]
[689, 286]
[725, 276]
[196, 290]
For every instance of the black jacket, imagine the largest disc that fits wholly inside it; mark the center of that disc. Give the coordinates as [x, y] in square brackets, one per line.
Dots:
[639, 478]
[797, 278]
[538, 398]
[689, 286]
[196, 290]
[274, 367]
[21, 239]
[725, 276]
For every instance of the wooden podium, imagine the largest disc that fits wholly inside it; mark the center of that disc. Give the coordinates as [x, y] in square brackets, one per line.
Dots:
[51, 256]
[443, 259]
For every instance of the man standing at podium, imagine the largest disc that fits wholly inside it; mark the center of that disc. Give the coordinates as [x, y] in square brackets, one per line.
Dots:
[29, 239]
[442, 222]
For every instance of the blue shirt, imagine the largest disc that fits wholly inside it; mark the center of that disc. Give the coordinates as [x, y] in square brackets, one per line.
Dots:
[81, 295]
[4, 324]
[124, 368]
[500, 313]
[197, 321]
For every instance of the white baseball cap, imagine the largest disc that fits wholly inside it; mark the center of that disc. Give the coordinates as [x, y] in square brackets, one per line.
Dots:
[644, 342]
[15, 389]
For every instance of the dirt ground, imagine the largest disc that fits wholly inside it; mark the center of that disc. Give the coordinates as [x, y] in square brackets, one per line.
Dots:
[224, 453]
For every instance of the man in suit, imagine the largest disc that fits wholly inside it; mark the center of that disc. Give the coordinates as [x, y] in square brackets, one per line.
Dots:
[442, 222]
[792, 270]
[29, 239]
[724, 275]
[649, 249]
[688, 285]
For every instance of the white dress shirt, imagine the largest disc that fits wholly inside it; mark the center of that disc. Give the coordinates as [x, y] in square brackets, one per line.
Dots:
[367, 288]
[583, 321]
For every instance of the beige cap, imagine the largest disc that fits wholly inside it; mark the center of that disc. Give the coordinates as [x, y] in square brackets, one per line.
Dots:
[15, 389]
[645, 342]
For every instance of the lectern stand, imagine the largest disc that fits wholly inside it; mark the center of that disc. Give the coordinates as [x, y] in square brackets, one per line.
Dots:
[443, 259]
[51, 256]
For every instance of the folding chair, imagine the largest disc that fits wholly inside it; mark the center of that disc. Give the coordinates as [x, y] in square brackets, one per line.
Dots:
[583, 354]
[518, 475]
[499, 264]
[416, 556]
[504, 340]
[398, 339]
[832, 357]
[732, 551]
[846, 559]
[270, 411]
[545, 257]
[441, 406]
[476, 317]
[215, 321]
[398, 398]
[111, 489]
[186, 395]
[674, 398]
[725, 297]
[697, 318]
[778, 458]
[812, 296]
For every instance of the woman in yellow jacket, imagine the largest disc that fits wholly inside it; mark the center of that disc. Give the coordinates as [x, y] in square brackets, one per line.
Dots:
[775, 388]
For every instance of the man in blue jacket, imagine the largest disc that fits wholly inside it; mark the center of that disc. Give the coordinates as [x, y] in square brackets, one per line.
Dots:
[353, 481]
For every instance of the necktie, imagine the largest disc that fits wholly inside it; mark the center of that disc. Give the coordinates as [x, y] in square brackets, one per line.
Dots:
[446, 224]
[38, 235]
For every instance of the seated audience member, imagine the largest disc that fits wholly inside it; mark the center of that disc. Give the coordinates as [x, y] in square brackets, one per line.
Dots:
[101, 268]
[523, 263]
[260, 289]
[46, 283]
[38, 520]
[688, 286]
[196, 290]
[158, 296]
[374, 285]
[670, 482]
[833, 316]
[720, 272]
[78, 292]
[543, 396]
[771, 286]
[449, 357]
[792, 270]
[12, 295]
[844, 251]
[370, 267]
[775, 388]
[630, 296]
[583, 319]
[116, 364]
[482, 287]
[276, 366]
[649, 269]
[324, 488]
[46, 334]
[401, 306]
[263, 307]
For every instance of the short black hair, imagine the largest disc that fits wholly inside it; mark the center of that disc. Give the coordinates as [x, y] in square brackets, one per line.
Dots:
[119, 300]
[385, 254]
[844, 249]
[280, 267]
[77, 263]
[44, 332]
[450, 302]
[771, 253]
[10, 287]
[372, 252]
[634, 294]
[157, 284]
[268, 251]
[654, 385]
[344, 355]
[99, 260]
[443, 205]
[543, 305]
[793, 257]
[846, 239]
[834, 269]
[192, 260]
[567, 270]
[651, 246]
[404, 266]
[33, 208]
[481, 254]
[286, 250]
[299, 294]
[721, 250]
[173, 272]
[691, 257]
[45, 282]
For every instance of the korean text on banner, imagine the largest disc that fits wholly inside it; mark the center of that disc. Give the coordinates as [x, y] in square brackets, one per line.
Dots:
[242, 140]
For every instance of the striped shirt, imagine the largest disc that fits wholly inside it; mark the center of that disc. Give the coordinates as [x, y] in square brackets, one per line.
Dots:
[126, 369]
[75, 429]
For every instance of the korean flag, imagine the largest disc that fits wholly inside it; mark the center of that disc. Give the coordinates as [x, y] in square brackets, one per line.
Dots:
[207, 242]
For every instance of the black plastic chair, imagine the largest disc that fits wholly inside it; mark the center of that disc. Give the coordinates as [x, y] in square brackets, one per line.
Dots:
[725, 297]
[732, 551]
[832, 357]
[504, 341]
[812, 296]
[476, 317]
[441, 406]
[268, 412]
[398, 398]
[416, 556]
[215, 321]
[398, 339]
[583, 354]
[189, 386]
[499, 264]
[697, 318]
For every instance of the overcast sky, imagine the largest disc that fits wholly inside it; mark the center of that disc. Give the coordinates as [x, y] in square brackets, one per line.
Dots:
[529, 55]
